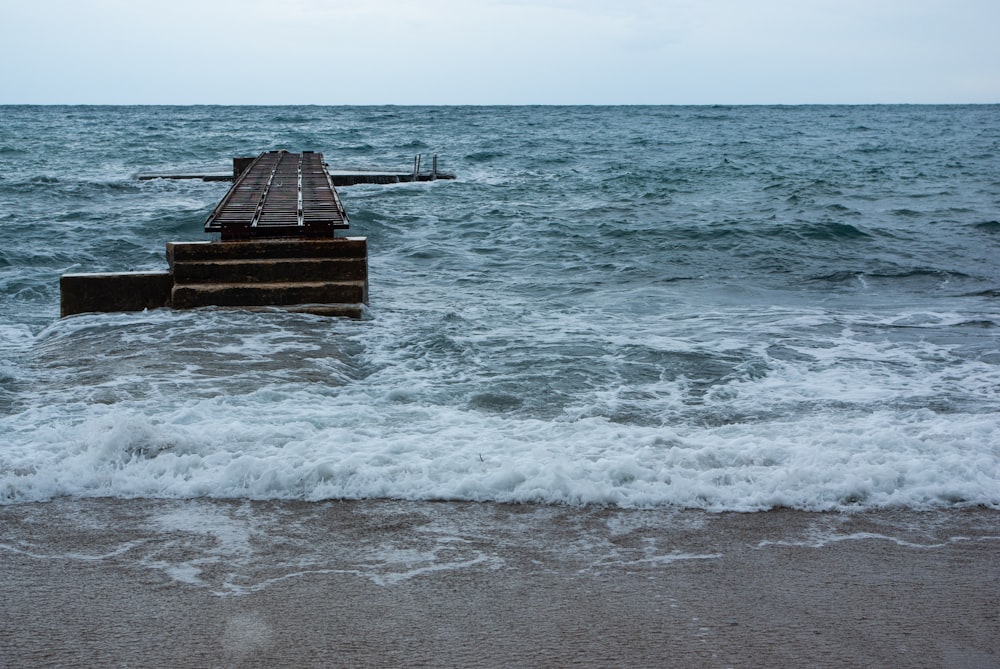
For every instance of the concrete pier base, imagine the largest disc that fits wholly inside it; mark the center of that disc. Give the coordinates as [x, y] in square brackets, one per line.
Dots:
[119, 291]
[269, 272]
[327, 276]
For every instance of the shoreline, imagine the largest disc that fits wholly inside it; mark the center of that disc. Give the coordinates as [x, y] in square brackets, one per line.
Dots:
[206, 583]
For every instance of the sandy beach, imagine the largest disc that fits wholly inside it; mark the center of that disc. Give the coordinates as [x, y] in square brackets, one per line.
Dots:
[145, 583]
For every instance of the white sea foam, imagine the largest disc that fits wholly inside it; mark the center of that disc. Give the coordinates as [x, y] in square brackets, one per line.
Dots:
[291, 410]
[309, 447]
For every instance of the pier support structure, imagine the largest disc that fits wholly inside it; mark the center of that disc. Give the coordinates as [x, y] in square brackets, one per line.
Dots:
[276, 248]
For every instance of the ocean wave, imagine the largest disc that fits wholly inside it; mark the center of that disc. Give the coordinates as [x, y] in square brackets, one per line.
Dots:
[721, 308]
[867, 276]
[832, 231]
[485, 156]
[842, 414]
[917, 459]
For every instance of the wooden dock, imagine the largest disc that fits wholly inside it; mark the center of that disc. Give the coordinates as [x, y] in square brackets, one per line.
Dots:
[280, 194]
[276, 246]
[338, 177]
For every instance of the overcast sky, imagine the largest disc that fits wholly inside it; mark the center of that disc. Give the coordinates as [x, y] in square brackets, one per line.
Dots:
[335, 52]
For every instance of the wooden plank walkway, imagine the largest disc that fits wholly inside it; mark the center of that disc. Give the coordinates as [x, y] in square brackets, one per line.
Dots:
[339, 177]
[280, 194]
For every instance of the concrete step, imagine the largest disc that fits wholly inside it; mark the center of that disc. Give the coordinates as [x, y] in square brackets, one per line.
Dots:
[332, 247]
[270, 270]
[189, 296]
[120, 291]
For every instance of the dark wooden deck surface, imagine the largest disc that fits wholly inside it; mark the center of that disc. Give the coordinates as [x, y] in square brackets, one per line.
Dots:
[281, 194]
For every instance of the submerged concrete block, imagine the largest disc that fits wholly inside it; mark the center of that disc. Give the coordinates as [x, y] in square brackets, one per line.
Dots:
[268, 249]
[270, 270]
[276, 272]
[327, 276]
[119, 291]
[190, 296]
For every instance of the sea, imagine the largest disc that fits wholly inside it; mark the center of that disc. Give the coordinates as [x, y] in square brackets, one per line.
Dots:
[720, 308]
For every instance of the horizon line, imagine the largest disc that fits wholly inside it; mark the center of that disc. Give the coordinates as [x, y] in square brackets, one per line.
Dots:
[499, 104]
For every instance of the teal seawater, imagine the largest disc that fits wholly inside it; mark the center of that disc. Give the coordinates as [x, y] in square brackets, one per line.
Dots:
[714, 307]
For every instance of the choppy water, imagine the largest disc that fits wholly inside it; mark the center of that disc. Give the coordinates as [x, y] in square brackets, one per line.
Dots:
[723, 308]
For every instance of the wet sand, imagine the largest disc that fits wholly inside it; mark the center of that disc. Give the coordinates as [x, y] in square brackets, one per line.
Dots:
[115, 583]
